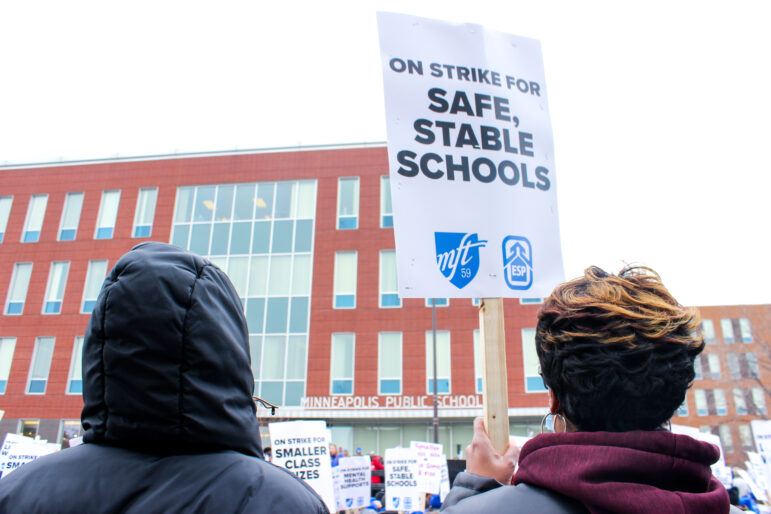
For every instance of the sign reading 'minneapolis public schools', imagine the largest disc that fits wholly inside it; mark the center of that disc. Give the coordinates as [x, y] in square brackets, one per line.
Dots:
[471, 161]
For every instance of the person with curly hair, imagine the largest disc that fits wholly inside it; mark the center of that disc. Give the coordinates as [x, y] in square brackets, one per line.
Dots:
[616, 354]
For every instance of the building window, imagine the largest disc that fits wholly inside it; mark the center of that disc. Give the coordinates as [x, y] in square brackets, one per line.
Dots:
[34, 223]
[698, 375]
[386, 211]
[725, 438]
[442, 361]
[389, 296]
[740, 402]
[713, 361]
[261, 235]
[5, 213]
[40, 366]
[348, 203]
[758, 401]
[143, 217]
[342, 363]
[345, 280]
[745, 436]
[743, 365]
[745, 330]
[68, 227]
[7, 345]
[57, 281]
[97, 270]
[700, 398]
[75, 382]
[478, 362]
[17, 292]
[475, 302]
[752, 365]
[682, 410]
[69, 429]
[728, 330]
[439, 302]
[108, 213]
[29, 427]
[720, 403]
[390, 363]
[530, 301]
[708, 331]
[533, 381]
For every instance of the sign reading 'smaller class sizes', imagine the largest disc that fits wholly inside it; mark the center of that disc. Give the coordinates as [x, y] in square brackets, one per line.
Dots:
[470, 401]
[471, 161]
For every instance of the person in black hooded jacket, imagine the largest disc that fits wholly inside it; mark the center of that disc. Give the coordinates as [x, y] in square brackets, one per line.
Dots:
[169, 420]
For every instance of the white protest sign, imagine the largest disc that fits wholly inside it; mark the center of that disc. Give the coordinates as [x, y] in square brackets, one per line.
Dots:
[757, 470]
[354, 482]
[302, 447]
[401, 480]
[471, 160]
[18, 450]
[756, 489]
[761, 432]
[430, 458]
[445, 485]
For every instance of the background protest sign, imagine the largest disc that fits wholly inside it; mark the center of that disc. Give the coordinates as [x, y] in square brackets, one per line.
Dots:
[402, 491]
[18, 450]
[471, 160]
[761, 432]
[430, 460]
[302, 447]
[353, 482]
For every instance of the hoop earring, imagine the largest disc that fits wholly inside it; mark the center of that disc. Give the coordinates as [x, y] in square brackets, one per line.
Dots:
[553, 423]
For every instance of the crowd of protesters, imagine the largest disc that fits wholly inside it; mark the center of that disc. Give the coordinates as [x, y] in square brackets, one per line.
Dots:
[170, 425]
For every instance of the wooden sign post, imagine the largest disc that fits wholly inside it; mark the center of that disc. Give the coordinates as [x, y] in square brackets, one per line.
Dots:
[495, 390]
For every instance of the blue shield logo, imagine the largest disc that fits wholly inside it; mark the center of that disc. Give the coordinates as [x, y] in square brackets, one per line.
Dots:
[517, 262]
[396, 501]
[457, 255]
[349, 502]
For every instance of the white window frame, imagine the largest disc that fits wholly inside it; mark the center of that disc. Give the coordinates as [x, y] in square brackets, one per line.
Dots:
[7, 348]
[381, 292]
[151, 193]
[708, 330]
[77, 351]
[50, 297]
[36, 203]
[385, 194]
[526, 334]
[68, 199]
[727, 328]
[332, 361]
[478, 363]
[105, 223]
[6, 203]
[13, 285]
[339, 256]
[32, 362]
[430, 361]
[745, 330]
[440, 302]
[89, 271]
[713, 362]
[380, 352]
[357, 193]
[700, 400]
[530, 301]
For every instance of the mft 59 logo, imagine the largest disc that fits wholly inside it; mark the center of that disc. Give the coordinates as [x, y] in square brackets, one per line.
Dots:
[517, 262]
[457, 255]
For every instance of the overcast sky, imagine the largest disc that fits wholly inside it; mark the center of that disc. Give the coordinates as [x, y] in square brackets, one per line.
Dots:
[661, 111]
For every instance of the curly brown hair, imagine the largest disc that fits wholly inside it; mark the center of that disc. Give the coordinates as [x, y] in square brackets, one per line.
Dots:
[617, 350]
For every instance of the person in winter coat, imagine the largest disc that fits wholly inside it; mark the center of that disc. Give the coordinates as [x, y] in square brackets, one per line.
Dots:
[616, 354]
[169, 420]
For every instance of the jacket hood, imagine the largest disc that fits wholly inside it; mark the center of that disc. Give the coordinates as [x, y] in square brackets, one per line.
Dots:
[166, 362]
[630, 472]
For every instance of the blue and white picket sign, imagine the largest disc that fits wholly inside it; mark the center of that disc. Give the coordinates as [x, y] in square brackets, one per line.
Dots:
[471, 159]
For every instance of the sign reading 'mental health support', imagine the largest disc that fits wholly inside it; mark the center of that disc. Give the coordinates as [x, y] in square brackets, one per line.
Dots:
[471, 161]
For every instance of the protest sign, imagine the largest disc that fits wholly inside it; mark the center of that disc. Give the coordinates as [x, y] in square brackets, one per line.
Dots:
[18, 450]
[757, 469]
[444, 486]
[761, 432]
[402, 491]
[473, 181]
[354, 482]
[430, 458]
[302, 447]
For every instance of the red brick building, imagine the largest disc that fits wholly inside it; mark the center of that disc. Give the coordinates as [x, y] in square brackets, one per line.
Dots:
[305, 235]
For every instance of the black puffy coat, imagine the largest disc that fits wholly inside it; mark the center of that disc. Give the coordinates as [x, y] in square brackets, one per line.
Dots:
[169, 421]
